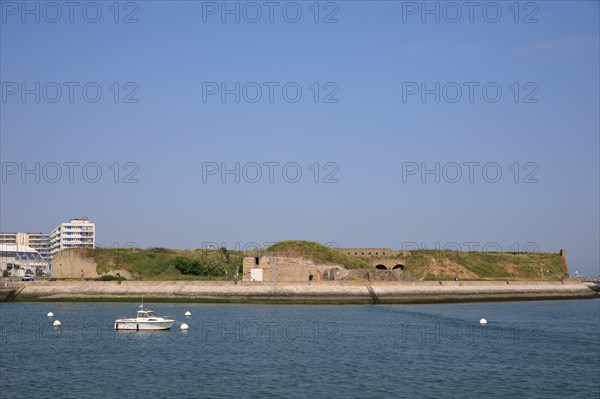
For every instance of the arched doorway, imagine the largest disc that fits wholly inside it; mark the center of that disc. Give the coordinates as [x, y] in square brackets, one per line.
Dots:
[399, 266]
[381, 267]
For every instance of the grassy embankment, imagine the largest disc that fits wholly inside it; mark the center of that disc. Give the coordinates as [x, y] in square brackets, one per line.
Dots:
[162, 263]
[445, 265]
[428, 264]
[200, 264]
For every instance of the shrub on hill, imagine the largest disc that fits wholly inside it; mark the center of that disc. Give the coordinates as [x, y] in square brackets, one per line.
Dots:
[199, 267]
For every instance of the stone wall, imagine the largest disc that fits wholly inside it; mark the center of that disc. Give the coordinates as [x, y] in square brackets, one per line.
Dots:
[389, 263]
[325, 292]
[287, 269]
[369, 252]
[563, 254]
[379, 256]
[69, 263]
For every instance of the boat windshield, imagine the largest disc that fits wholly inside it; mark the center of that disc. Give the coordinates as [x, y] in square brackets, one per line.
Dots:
[144, 314]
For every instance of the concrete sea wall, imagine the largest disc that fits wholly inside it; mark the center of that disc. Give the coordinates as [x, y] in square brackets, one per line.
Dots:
[322, 292]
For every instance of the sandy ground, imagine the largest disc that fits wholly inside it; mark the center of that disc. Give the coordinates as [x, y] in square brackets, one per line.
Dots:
[322, 292]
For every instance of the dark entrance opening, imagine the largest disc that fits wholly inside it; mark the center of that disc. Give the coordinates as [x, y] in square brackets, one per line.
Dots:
[256, 260]
[381, 267]
[398, 267]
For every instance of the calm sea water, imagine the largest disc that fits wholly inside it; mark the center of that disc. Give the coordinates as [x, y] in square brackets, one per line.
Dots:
[528, 349]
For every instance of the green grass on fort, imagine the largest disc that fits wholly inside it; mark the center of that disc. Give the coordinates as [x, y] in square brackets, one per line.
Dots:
[205, 264]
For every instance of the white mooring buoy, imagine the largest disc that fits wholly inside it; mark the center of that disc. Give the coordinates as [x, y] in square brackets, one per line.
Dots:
[56, 323]
[483, 321]
[50, 314]
[184, 326]
[188, 313]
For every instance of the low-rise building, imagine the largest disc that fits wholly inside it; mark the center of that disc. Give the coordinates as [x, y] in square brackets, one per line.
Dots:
[17, 260]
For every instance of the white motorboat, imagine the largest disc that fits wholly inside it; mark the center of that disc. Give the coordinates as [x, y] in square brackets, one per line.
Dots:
[145, 320]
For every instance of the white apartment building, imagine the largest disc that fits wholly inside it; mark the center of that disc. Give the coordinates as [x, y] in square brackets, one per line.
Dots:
[38, 241]
[78, 233]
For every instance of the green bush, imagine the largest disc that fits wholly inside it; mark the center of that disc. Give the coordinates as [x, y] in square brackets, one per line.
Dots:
[200, 267]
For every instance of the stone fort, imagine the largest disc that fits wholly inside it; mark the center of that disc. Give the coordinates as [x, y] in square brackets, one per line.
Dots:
[292, 266]
[380, 258]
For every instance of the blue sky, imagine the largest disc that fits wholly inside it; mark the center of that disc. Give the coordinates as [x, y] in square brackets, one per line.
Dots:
[166, 131]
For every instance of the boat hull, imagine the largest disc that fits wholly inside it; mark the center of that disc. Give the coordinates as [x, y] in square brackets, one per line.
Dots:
[143, 325]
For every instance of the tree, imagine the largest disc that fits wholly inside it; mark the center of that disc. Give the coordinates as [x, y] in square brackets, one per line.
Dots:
[225, 253]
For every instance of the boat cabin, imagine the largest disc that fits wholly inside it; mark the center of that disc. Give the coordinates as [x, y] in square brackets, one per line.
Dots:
[145, 314]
